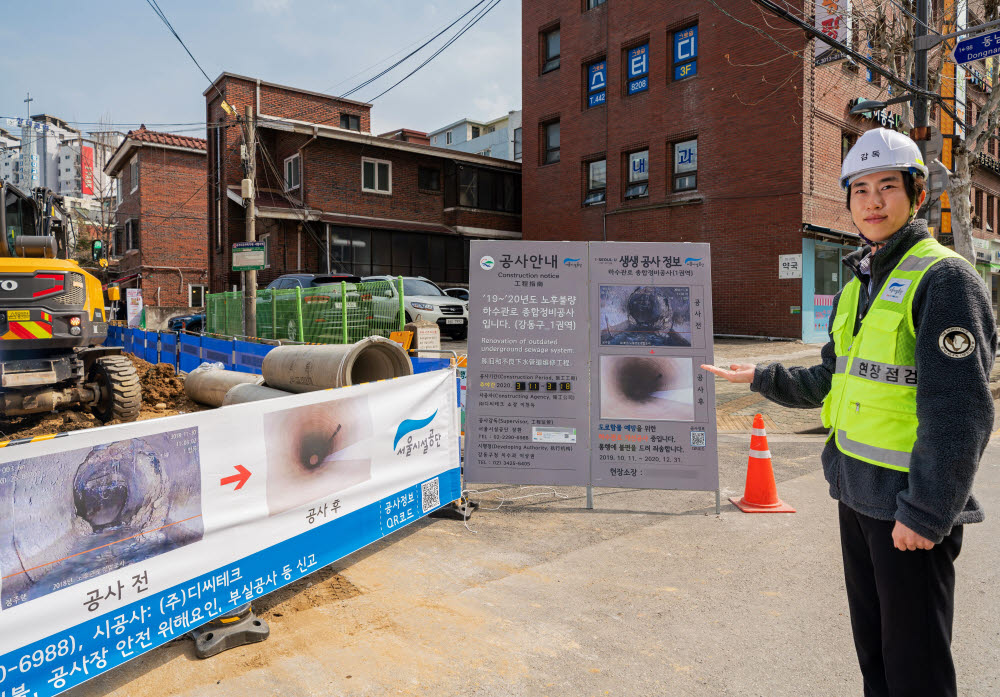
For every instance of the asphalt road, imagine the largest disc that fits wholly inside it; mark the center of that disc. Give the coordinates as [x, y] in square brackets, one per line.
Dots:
[650, 593]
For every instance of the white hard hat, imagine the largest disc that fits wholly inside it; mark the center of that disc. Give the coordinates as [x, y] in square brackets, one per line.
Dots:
[878, 150]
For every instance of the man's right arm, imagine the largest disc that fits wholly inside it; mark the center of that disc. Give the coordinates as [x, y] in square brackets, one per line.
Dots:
[803, 388]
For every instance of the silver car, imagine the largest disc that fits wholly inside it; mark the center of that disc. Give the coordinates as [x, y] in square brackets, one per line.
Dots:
[423, 299]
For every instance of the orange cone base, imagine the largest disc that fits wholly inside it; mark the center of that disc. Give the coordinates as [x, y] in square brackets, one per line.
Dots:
[747, 507]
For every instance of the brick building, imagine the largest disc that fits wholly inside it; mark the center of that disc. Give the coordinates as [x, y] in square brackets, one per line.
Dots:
[159, 243]
[334, 197]
[681, 122]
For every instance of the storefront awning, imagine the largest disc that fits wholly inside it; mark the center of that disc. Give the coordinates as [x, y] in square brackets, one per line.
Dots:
[841, 236]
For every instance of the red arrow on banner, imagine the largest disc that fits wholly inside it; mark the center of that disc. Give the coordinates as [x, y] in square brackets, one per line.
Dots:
[240, 479]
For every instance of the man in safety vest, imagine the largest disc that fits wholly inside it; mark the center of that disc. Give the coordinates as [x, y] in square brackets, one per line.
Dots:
[904, 386]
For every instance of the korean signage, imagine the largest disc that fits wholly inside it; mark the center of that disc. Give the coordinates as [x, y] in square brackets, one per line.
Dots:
[637, 69]
[563, 331]
[685, 53]
[87, 169]
[789, 266]
[138, 533]
[249, 256]
[833, 18]
[133, 306]
[882, 117]
[597, 83]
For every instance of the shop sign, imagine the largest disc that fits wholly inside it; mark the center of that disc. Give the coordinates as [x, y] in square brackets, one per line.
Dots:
[789, 266]
[833, 18]
[989, 162]
[882, 117]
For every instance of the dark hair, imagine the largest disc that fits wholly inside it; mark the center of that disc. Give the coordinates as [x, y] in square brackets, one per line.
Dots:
[913, 184]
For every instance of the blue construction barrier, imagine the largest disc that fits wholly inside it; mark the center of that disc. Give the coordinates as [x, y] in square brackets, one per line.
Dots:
[152, 354]
[217, 351]
[250, 356]
[427, 365]
[190, 352]
[168, 348]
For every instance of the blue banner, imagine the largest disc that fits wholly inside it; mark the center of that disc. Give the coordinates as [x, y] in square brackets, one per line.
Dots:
[685, 53]
[637, 69]
[597, 83]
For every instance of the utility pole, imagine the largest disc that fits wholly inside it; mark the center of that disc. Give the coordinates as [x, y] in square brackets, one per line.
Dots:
[921, 132]
[250, 277]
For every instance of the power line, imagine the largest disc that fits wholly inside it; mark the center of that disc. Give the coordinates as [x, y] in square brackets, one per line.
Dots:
[471, 23]
[163, 17]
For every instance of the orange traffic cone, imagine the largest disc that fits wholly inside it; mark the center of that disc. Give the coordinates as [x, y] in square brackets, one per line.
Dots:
[760, 494]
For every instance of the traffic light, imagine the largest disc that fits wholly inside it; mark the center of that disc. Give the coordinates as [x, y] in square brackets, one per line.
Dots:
[97, 250]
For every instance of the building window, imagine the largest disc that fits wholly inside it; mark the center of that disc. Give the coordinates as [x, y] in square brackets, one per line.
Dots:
[196, 295]
[429, 178]
[686, 53]
[131, 238]
[597, 83]
[475, 131]
[988, 223]
[488, 152]
[488, 189]
[847, 141]
[350, 122]
[597, 182]
[118, 190]
[376, 176]
[637, 69]
[293, 172]
[686, 165]
[133, 173]
[447, 138]
[591, 4]
[551, 134]
[638, 174]
[266, 239]
[550, 50]
[518, 144]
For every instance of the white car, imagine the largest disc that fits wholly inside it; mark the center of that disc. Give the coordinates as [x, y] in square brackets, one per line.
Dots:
[423, 299]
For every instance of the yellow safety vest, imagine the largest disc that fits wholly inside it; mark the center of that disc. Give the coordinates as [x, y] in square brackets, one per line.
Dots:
[871, 409]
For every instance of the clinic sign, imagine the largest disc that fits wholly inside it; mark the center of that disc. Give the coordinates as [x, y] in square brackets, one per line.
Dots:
[584, 365]
[597, 83]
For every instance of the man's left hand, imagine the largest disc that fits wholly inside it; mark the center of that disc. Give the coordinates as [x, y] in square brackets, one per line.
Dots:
[905, 539]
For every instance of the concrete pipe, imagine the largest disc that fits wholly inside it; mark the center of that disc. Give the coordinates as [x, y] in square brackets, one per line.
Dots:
[210, 386]
[308, 368]
[249, 392]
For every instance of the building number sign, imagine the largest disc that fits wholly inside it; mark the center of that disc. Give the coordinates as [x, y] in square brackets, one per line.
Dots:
[638, 69]
[597, 83]
[685, 53]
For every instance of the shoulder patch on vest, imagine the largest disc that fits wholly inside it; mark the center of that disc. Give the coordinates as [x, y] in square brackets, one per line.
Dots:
[956, 342]
[895, 289]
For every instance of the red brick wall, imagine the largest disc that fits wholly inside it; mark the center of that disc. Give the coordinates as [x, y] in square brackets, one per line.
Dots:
[748, 126]
[172, 228]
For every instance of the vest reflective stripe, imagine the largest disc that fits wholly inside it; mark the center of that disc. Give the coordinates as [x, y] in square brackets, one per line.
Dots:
[871, 409]
[893, 459]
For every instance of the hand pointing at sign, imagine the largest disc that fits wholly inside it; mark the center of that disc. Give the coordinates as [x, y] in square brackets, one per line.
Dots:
[737, 372]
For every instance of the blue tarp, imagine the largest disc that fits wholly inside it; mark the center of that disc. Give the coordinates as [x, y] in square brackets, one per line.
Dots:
[427, 365]
[250, 357]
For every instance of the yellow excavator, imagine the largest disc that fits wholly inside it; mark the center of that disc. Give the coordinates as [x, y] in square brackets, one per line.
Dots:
[52, 322]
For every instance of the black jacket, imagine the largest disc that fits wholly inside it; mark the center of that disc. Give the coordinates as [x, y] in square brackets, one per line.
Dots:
[954, 404]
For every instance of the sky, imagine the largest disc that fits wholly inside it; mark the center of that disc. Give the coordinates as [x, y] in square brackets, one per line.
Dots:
[115, 59]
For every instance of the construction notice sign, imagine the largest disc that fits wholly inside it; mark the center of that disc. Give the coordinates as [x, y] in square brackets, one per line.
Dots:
[249, 256]
[584, 365]
[133, 306]
[652, 408]
[528, 382]
[116, 540]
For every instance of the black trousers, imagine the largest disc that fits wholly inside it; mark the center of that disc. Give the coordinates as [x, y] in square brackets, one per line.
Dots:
[902, 604]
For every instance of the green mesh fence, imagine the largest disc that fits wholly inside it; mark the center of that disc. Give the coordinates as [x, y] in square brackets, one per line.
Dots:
[329, 314]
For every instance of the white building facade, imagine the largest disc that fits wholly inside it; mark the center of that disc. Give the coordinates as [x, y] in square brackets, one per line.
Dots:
[500, 138]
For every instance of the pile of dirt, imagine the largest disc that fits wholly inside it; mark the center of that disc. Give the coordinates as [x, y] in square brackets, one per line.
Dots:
[162, 395]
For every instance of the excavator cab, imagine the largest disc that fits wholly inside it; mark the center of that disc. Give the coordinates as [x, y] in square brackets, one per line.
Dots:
[52, 323]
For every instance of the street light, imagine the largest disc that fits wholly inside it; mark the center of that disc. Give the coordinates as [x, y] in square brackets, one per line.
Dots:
[865, 106]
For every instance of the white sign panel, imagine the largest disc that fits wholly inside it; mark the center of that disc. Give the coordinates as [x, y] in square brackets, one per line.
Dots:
[133, 306]
[789, 266]
[833, 18]
[136, 534]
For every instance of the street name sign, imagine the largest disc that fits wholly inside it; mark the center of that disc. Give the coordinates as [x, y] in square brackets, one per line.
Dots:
[977, 47]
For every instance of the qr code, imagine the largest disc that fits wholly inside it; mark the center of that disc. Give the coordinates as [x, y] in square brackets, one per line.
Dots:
[430, 493]
[697, 439]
